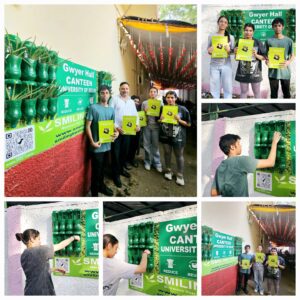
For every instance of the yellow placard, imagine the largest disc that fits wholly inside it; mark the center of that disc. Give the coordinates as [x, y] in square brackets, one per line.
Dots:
[143, 118]
[129, 125]
[219, 43]
[245, 264]
[245, 49]
[259, 257]
[273, 261]
[153, 107]
[276, 57]
[106, 131]
[168, 112]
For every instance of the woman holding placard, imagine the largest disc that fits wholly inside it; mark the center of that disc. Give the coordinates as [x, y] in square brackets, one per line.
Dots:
[174, 120]
[250, 53]
[220, 45]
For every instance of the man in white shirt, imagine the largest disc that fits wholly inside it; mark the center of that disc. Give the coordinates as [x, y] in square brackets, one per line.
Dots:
[123, 106]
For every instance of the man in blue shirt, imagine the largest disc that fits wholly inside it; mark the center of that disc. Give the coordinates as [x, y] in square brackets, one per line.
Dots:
[245, 263]
[99, 112]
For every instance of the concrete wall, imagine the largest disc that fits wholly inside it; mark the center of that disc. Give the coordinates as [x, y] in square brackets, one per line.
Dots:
[210, 14]
[120, 230]
[88, 35]
[242, 126]
[20, 218]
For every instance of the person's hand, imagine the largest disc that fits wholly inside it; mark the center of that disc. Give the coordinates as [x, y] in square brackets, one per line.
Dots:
[115, 135]
[227, 48]
[254, 52]
[147, 252]
[177, 118]
[60, 270]
[285, 64]
[210, 50]
[276, 137]
[161, 117]
[137, 128]
[96, 145]
[146, 109]
[120, 130]
[235, 50]
[267, 62]
[76, 238]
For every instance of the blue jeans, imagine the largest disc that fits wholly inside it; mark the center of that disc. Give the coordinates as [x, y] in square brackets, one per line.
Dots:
[221, 76]
[258, 272]
[151, 146]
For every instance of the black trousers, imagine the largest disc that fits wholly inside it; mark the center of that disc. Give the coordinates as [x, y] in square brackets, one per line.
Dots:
[285, 86]
[97, 181]
[240, 281]
[119, 151]
[134, 147]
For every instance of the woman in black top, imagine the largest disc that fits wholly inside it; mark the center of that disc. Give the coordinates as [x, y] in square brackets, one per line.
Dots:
[250, 72]
[35, 262]
[173, 137]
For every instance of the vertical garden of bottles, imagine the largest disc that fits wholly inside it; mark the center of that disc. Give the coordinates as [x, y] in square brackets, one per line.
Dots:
[66, 223]
[141, 237]
[31, 90]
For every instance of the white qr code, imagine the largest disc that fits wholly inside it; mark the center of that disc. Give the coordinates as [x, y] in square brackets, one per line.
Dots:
[137, 281]
[63, 263]
[264, 181]
[19, 142]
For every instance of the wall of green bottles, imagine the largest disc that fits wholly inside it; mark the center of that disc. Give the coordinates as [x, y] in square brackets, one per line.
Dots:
[207, 244]
[264, 132]
[141, 237]
[66, 223]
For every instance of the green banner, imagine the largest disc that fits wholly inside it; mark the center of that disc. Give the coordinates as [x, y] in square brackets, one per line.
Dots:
[209, 267]
[262, 20]
[92, 232]
[22, 143]
[223, 245]
[178, 247]
[81, 84]
[86, 267]
[163, 285]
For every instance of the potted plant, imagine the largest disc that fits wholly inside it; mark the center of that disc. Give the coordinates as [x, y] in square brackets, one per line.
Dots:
[13, 103]
[29, 63]
[42, 65]
[29, 103]
[52, 93]
[53, 64]
[14, 51]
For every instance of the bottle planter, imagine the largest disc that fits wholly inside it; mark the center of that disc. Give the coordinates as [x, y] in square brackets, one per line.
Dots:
[52, 108]
[52, 73]
[13, 112]
[29, 110]
[42, 72]
[42, 109]
[29, 69]
[13, 67]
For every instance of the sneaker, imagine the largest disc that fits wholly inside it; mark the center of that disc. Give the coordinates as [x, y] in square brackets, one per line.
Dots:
[117, 182]
[125, 174]
[159, 169]
[147, 167]
[255, 291]
[261, 293]
[127, 166]
[106, 191]
[168, 175]
[180, 180]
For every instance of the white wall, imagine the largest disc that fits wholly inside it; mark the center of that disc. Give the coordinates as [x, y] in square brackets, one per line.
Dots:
[85, 34]
[39, 218]
[242, 126]
[232, 218]
[120, 230]
[210, 14]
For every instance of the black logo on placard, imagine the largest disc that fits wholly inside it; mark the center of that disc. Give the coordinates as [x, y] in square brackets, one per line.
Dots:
[219, 46]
